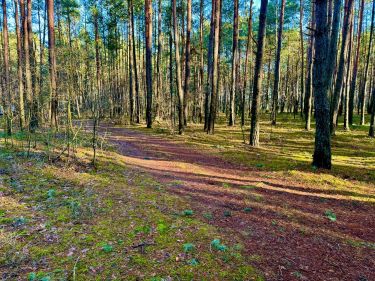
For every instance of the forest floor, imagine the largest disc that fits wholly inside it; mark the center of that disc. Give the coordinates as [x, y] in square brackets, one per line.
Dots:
[159, 203]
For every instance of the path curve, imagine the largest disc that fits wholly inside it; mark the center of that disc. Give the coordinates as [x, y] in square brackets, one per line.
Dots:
[280, 222]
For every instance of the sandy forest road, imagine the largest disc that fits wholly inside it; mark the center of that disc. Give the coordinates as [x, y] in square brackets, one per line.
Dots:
[280, 221]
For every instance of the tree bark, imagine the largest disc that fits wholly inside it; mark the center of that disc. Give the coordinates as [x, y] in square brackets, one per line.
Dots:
[275, 94]
[254, 130]
[215, 67]
[209, 67]
[148, 27]
[187, 61]
[364, 88]
[371, 132]
[180, 91]
[158, 63]
[232, 113]
[247, 59]
[131, 68]
[341, 67]
[52, 64]
[137, 101]
[302, 82]
[355, 65]
[322, 151]
[201, 67]
[7, 96]
[19, 68]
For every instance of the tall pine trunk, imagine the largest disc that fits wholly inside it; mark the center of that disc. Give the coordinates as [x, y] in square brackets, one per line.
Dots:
[148, 27]
[180, 91]
[247, 59]
[310, 63]
[52, 64]
[232, 110]
[364, 88]
[341, 67]
[355, 65]
[7, 96]
[215, 66]
[275, 94]
[187, 61]
[254, 129]
[19, 67]
[321, 83]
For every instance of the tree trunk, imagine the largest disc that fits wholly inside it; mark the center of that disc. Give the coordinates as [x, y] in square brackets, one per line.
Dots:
[364, 88]
[209, 67]
[34, 101]
[201, 68]
[215, 67]
[180, 91]
[148, 27]
[7, 96]
[19, 68]
[131, 69]
[341, 67]
[158, 63]
[254, 130]
[232, 112]
[137, 101]
[302, 82]
[275, 96]
[26, 51]
[371, 132]
[355, 65]
[52, 64]
[322, 152]
[310, 63]
[333, 38]
[247, 59]
[171, 70]
[187, 62]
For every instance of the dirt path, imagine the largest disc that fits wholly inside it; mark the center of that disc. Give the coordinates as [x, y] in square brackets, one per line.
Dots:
[281, 223]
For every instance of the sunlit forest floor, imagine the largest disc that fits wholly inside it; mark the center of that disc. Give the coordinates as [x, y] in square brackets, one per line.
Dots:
[161, 206]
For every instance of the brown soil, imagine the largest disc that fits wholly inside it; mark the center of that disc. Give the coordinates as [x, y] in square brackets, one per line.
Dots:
[286, 226]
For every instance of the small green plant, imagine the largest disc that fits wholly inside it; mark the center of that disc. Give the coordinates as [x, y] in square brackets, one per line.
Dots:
[75, 209]
[330, 215]
[188, 212]
[145, 229]
[208, 216]
[162, 227]
[193, 262]
[51, 193]
[188, 247]
[32, 276]
[247, 210]
[216, 244]
[107, 248]
[297, 274]
[227, 213]
[226, 185]
[19, 221]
